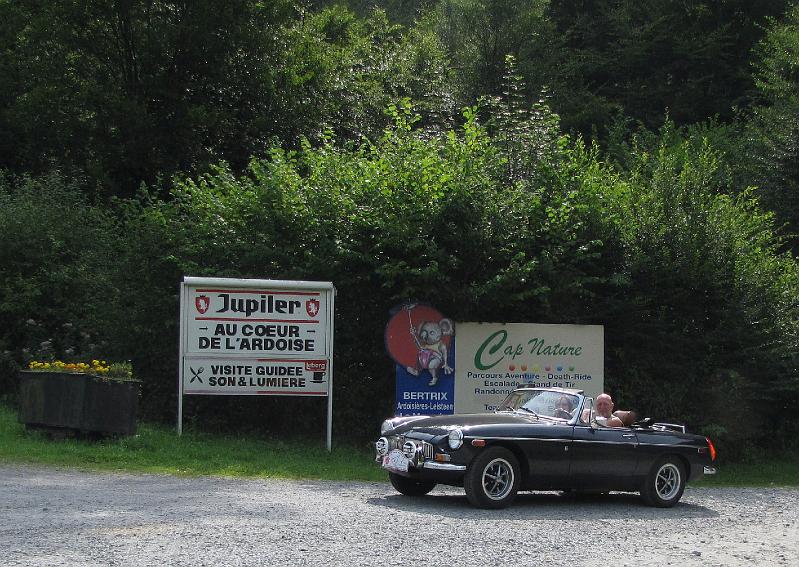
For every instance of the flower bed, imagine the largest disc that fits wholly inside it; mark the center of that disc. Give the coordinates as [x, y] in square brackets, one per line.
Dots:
[117, 370]
[88, 398]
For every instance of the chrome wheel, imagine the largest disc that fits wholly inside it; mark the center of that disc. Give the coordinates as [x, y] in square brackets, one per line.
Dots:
[498, 479]
[492, 478]
[667, 481]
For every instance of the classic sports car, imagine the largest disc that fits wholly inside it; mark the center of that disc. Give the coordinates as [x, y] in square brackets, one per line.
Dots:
[541, 439]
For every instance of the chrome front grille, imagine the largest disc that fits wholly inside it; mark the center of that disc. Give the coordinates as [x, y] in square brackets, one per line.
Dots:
[403, 444]
[427, 449]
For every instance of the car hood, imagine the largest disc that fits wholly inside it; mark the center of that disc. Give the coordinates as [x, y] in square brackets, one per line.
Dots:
[440, 424]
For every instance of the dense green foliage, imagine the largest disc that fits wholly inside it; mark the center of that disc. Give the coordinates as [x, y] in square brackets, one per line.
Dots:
[774, 128]
[125, 92]
[141, 141]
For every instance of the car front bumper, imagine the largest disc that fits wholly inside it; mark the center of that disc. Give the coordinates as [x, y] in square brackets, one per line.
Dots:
[426, 463]
[449, 467]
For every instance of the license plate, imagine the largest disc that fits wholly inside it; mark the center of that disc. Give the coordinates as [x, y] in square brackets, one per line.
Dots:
[396, 461]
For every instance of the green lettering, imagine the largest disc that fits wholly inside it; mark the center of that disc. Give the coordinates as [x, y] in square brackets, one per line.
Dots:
[478, 356]
[539, 347]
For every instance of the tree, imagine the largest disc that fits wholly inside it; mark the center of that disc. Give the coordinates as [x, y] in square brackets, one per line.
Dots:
[709, 316]
[774, 128]
[479, 34]
[127, 90]
[342, 71]
[650, 58]
[130, 91]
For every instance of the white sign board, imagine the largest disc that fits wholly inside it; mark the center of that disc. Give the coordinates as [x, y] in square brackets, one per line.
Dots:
[256, 337]
[259, 376]
[491, 359]
[261, 322]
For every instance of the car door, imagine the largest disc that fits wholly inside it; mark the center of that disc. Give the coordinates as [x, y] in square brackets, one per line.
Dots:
[547, 451]
[603, 457]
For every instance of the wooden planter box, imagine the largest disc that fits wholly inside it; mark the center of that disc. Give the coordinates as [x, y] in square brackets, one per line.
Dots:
[79, 402]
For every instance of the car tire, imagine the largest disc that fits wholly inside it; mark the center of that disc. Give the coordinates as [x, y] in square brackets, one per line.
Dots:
[665, 483]
[409, 486]
[492, 479]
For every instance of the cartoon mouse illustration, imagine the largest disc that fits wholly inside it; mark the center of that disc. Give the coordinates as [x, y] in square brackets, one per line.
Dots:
[432, 355]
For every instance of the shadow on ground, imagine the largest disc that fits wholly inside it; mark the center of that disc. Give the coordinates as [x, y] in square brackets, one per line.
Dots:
[541, 506]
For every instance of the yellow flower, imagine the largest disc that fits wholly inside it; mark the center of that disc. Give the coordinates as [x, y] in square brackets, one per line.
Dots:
[95, 367]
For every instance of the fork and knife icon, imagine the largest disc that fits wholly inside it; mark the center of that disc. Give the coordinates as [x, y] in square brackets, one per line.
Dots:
[195, 374]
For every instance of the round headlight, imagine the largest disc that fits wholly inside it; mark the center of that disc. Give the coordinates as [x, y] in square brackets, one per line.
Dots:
[409, 449]
[385, 426]
[455, 439]
[382, 446]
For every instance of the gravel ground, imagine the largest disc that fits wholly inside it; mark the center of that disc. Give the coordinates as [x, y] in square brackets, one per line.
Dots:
[64, 517]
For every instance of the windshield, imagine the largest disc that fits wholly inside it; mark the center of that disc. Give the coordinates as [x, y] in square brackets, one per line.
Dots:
[546, 403]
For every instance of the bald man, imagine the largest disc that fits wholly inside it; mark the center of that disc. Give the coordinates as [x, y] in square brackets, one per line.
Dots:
[604, 411]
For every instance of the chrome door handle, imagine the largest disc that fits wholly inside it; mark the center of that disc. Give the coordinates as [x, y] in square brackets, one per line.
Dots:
[628, 435]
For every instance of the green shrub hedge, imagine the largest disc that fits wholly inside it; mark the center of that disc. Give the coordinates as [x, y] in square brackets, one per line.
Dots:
[509, 222]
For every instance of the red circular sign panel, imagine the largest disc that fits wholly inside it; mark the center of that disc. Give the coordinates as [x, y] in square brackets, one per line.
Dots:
[399, 337]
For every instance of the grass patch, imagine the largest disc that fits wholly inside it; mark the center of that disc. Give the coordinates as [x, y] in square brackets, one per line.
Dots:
[774, 470]
[158, 449]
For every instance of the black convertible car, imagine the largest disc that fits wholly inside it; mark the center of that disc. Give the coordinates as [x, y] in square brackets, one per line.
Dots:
[541, 439]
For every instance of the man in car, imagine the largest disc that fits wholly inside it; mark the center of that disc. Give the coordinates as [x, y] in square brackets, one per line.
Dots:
[604, 411]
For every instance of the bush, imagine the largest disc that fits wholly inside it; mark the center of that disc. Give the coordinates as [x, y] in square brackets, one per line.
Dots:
[441, 219]
[514, 223]
[57, 256]
[708, 332]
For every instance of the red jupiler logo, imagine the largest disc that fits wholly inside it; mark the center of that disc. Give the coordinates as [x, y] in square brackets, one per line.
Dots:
[202, 303]
[312, 307]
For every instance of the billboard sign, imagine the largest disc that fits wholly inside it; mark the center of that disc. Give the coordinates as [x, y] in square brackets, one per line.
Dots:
[421, 342]
[494, 358]
[256, 337]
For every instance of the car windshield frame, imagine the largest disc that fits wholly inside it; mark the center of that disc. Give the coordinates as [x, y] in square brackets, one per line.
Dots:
[542, 403]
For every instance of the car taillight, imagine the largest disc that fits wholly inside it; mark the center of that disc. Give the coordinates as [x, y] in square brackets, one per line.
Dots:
[712, 449]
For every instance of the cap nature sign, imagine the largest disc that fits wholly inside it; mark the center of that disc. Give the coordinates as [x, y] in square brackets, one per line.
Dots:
[256, 337]
[492, 359]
